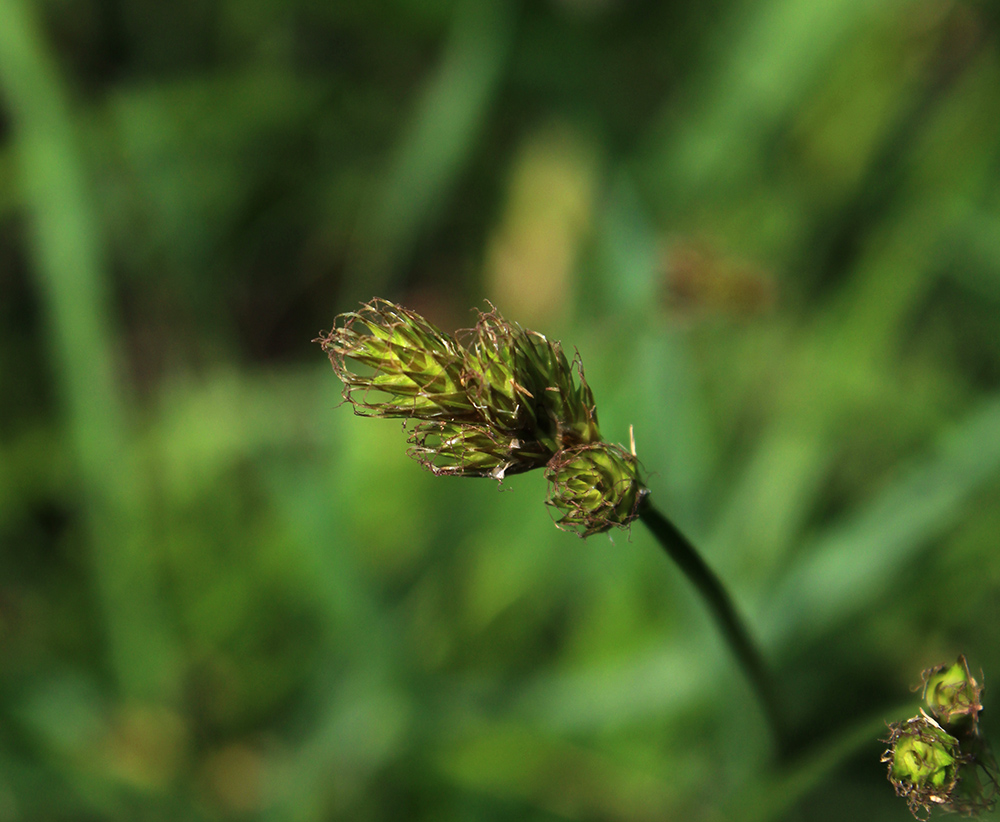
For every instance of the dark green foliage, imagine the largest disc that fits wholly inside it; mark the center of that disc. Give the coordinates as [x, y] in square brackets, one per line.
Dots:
[769, 228]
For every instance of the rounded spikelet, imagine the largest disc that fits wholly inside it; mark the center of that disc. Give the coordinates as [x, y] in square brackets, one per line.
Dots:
[923, 763]
[594, 487]
[953, 695]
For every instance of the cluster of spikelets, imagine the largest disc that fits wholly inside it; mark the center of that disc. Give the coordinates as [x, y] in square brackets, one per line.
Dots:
[497, 401]
[939, 759]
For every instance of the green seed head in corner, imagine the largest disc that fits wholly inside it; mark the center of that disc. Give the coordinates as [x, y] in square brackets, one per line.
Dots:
[953, 696]
[923, 763]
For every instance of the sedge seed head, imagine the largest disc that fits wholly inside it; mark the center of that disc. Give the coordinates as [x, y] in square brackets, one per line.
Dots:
[953, 696]
[461, 450]
[524, 385]
[594, 487]
[505, 402]
[924, 762]
[394, 363]
[939, 759]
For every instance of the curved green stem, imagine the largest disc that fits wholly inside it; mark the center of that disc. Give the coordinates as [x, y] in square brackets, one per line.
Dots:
[682, 552]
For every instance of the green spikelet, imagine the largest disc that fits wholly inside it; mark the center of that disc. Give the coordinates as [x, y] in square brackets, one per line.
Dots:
[452, 449]
[525, 386]
[953, 695]
[394, 363]
[594, 487]
[923, 763]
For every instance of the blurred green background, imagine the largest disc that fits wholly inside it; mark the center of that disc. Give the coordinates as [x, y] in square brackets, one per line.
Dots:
[772, 231]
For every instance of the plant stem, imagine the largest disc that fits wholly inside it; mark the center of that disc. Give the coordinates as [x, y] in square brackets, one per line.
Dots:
[681, 551]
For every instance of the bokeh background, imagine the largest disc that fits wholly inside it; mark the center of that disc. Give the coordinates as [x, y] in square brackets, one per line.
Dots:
[772, 232]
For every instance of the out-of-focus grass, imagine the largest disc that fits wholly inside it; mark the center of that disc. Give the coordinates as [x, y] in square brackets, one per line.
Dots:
[769, 229]
[74, 296]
